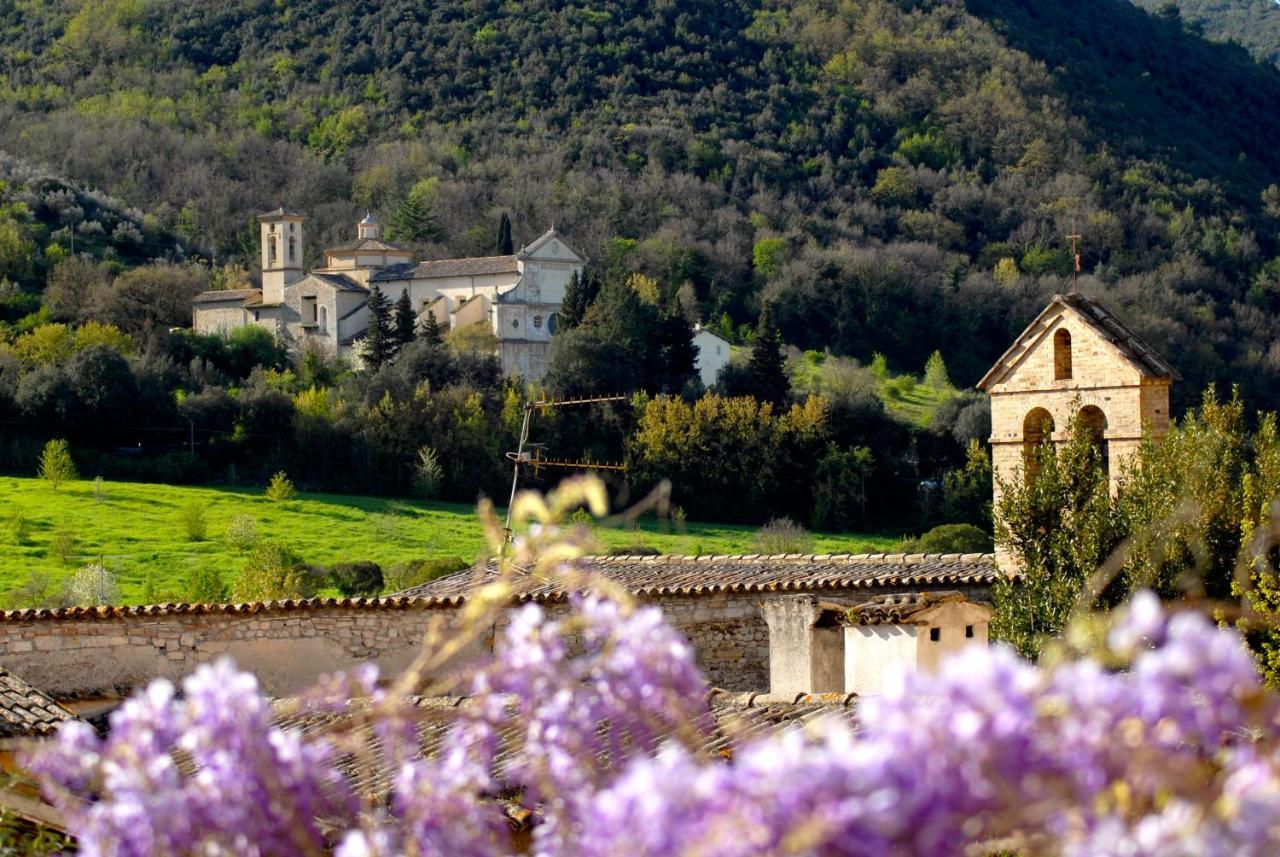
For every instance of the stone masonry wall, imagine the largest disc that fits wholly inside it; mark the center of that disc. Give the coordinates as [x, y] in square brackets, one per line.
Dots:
[289, 648]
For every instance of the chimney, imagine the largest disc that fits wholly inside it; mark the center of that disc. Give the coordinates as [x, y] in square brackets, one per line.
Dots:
[806, 645]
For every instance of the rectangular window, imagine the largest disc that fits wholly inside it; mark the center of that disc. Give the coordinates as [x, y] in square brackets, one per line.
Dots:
[309, 310]
[935, 634]
[968, 631]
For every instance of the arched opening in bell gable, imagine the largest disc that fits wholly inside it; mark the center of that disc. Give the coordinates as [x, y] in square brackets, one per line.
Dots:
[1062, 355]
[1094, 422]
[1037, 432]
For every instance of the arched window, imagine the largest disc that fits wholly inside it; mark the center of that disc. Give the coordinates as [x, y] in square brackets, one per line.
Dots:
[1037, 431]
[271, 249]
[293, 249]
[324, 319]
[1094, 422]
[1062, 355]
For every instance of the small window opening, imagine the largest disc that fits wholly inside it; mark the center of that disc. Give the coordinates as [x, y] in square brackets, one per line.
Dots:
[935, 634]
[271, 249]
[293, 249]
[1062, 355]
[968, 631]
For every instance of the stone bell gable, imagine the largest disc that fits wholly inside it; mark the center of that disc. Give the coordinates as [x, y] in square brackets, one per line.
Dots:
[1075, 358]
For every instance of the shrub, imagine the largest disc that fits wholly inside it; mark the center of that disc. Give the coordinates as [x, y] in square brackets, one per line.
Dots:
[204, 585]
[950, 538]
[18, 525]
[40, 589]
[56, 465]
[93, 586]
[634, 550]
[241, 533]
[63, 544]
[419, 571]
[357, 579]
[280, 489]
[272, 571]
[194, 523]
[783, 535]
[427, 474]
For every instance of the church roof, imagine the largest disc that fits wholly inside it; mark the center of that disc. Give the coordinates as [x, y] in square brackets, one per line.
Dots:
[218, 296]
[341, 282]
[1131, 346]
[376, 245]
[475, 267]
[280, 214]
[541, 240]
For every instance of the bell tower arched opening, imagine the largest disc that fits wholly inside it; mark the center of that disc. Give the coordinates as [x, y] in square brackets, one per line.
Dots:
[1037, 431]
[1062, 355]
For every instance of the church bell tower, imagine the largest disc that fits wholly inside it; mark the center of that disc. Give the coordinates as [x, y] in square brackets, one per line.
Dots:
[281, 232]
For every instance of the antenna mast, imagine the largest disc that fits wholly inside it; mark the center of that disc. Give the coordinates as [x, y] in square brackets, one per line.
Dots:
[535, 460]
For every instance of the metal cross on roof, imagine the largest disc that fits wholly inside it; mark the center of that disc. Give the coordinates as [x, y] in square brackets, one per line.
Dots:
[1075, 237]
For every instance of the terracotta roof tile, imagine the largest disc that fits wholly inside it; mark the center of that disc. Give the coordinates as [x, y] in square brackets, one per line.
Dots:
[242, 609]
[692, 575]
[899, 609]
[374, 244]
[25, 711]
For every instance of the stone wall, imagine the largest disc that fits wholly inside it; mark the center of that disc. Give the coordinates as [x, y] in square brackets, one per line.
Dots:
[84, 652]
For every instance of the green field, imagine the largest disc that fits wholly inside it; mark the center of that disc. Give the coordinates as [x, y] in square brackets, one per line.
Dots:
[136, 529]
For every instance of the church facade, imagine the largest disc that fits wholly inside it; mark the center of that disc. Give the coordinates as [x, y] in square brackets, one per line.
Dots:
[515, 296]
[1076, 360]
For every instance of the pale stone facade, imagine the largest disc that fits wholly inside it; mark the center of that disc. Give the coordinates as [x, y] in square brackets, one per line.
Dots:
[1075, 359]
[515, 296]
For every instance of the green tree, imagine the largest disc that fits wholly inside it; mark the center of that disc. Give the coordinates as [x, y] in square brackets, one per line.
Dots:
[56, 464]
[1057, 522]
[767, 369]
[579, 294]
[405, 320]
[413, 220]
[935, 372]
[271, 572]
[379, 336]
[429, 328]
[505, 245]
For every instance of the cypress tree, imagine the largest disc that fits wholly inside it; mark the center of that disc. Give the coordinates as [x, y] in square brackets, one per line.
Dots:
[505, 245]
[429, 329]
[405, 319]
[379, 344]
[766, 369]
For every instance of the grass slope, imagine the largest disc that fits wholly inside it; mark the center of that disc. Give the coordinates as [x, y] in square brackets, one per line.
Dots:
[135, 529]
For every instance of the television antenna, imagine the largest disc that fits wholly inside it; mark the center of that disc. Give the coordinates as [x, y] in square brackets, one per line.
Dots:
[530, 455]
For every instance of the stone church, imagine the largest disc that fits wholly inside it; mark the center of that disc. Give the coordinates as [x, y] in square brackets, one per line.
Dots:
[1075, 358]
[515, 296]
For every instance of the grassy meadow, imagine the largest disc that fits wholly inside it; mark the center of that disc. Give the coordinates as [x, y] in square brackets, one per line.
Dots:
[137, 530]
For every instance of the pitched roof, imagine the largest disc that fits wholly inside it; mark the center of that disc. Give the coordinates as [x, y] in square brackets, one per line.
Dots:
[537, 244]
[218, 296]
[287, 605]
[376, 245]
[281, 212]
[1133, 347]
[477, 267]
[341, 282]
[737, 718]
[697, 575]
[25, 711]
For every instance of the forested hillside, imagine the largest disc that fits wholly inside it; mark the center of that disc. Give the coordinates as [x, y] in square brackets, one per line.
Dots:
[895, 176]
[1253, 24]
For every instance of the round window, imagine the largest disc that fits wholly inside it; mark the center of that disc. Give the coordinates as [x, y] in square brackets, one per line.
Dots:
[537, 321]
[515, 323]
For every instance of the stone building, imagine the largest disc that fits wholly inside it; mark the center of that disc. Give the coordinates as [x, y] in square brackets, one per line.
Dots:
[516, 296]
[1075, 359]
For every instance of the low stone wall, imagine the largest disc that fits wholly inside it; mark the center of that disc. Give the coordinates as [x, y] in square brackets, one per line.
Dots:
[288, 645]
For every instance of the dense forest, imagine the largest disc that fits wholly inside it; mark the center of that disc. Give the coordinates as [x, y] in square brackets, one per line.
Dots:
[867, 182]
[1252, 24]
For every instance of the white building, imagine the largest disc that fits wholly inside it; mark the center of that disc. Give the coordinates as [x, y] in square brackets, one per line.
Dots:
[515, 296]
[712, 355]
